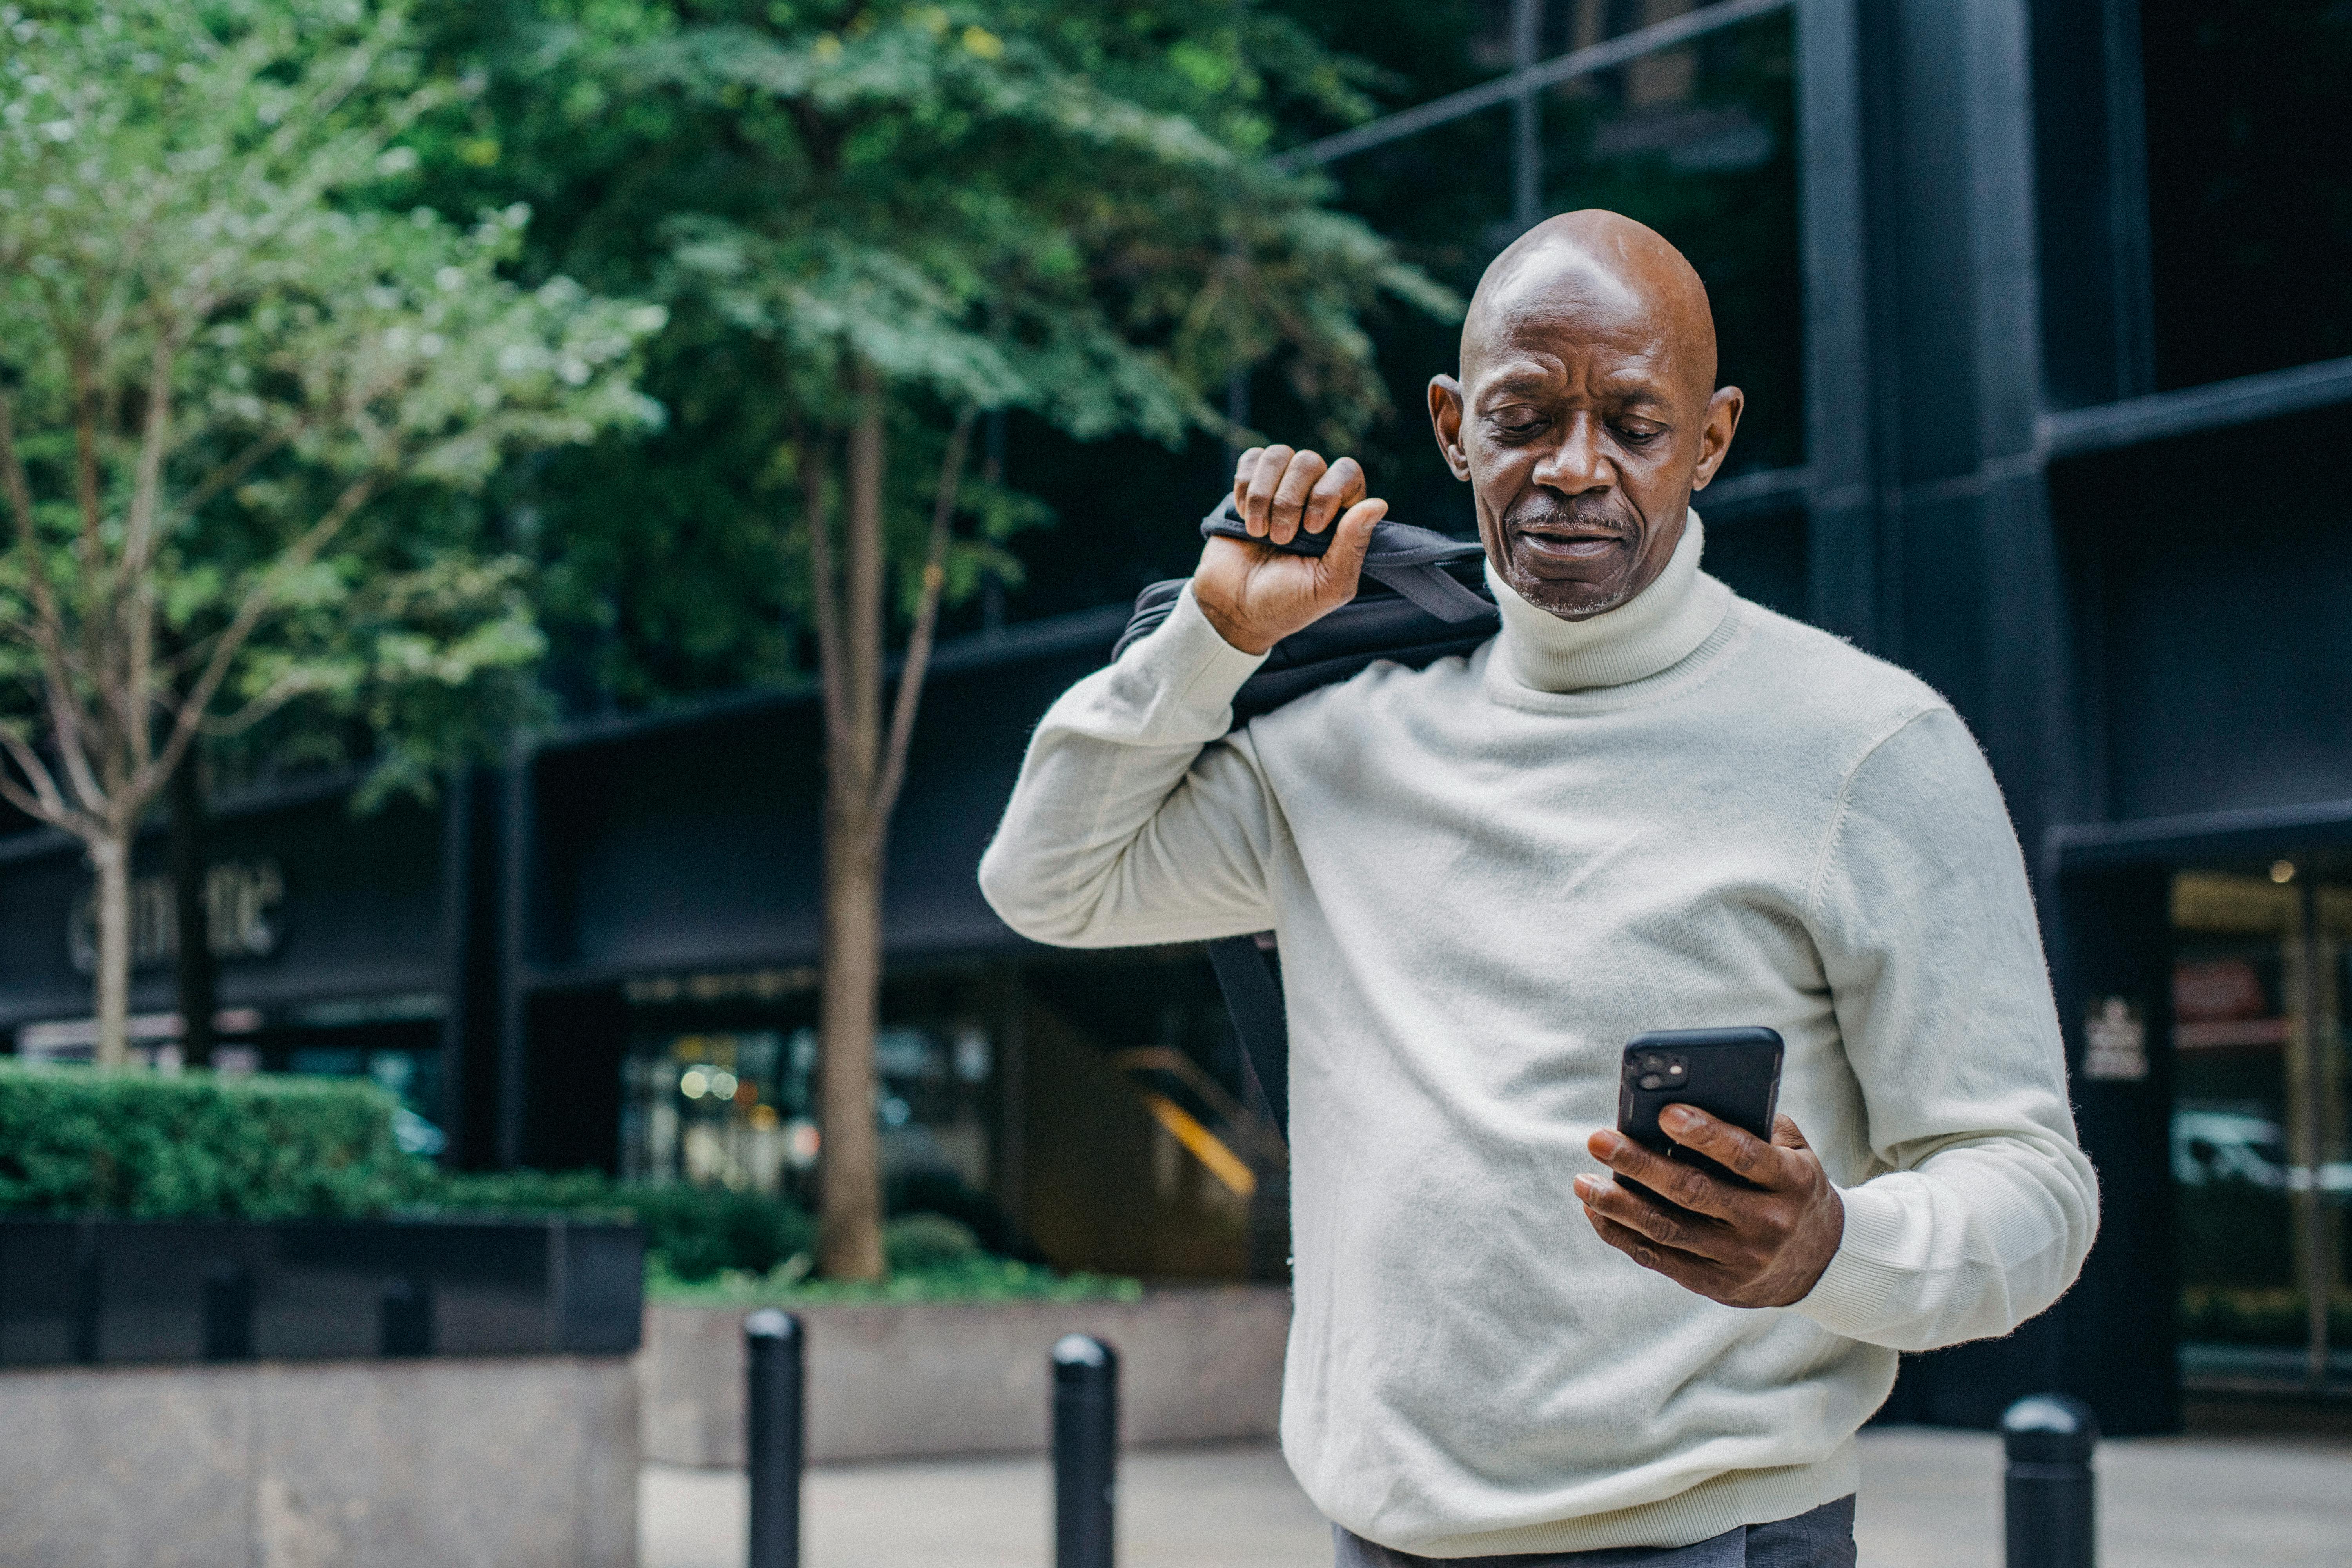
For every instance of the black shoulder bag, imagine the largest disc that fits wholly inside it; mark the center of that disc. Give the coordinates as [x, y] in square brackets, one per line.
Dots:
[1423, 597]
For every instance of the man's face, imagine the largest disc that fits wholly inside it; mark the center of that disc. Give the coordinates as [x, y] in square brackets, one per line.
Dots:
[1583, 423]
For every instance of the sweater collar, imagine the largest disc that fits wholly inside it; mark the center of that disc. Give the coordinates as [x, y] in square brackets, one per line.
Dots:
[1658, 627]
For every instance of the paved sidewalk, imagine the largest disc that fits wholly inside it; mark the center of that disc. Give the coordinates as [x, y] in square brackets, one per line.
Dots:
[1929, 1499]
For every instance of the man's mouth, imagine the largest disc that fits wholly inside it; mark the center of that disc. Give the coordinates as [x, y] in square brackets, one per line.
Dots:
[1566, 544]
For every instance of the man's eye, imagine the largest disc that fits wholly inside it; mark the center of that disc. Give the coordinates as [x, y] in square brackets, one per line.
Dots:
[1519, 429]
[1637, 436]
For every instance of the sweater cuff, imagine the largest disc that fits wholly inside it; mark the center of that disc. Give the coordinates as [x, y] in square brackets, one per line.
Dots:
[1192, 670]
[1851, 1297]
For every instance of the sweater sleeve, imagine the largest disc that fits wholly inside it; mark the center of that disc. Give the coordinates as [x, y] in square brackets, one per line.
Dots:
[1135, 818]
[1985, 1207]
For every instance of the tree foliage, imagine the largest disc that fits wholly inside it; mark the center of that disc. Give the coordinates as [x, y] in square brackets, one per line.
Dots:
[1063, 211]
[217, 348]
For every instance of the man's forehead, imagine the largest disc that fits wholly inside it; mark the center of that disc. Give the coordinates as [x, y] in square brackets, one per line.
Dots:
[1568, 315]
[1564, 301]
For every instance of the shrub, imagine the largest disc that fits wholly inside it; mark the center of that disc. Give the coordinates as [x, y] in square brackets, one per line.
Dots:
[586, 1193]
[76, 1140]
[932, 1258]
[698, 1231]
[693, 1232]
[976, 1278]
[925, 1243]
[138, 1146]
[935, 1192]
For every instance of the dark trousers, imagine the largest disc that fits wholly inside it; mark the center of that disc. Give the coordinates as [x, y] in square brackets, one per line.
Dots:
[1821, 1538]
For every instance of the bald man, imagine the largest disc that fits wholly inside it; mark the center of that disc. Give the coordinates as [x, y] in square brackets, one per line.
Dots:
[1647, 804]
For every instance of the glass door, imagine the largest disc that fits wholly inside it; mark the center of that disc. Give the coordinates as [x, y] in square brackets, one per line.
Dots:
[2259, 1127]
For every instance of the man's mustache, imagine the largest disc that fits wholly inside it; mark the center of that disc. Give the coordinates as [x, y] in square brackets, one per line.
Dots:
[1544, 511]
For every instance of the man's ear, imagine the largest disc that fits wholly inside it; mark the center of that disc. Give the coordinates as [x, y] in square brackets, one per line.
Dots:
[1445, 419]
[1715, 437]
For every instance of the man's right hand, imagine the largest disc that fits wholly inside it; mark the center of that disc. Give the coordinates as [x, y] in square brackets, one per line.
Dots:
[1254, 595]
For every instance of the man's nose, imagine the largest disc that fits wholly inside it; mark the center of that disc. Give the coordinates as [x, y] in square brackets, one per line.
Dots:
[1576, 462]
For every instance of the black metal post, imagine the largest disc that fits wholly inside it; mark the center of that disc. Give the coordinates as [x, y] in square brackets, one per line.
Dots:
[1526, 124]
[776, 1362]
[2051, 1500]
[1086, 1450]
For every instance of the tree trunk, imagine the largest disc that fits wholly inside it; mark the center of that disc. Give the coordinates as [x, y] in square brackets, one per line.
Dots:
[850, 1234]
[198, 971]
[849, 1242]
[110, 861]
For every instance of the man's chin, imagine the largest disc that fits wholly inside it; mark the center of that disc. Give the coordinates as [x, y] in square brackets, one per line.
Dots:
[1573, 590]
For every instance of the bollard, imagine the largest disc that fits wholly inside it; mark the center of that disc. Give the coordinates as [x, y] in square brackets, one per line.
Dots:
[1086, 1450]
[2050, 1497]
[776, 1365]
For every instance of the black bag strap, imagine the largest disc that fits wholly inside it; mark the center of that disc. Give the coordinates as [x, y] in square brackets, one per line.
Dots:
[1246, 973]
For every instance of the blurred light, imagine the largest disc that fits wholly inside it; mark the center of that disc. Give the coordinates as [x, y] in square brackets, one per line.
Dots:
[722, 1085]
[897, 1112]
[971, 1054]
[802, 1142]
[763, 1118]
[692, 1083]
[2282, 871]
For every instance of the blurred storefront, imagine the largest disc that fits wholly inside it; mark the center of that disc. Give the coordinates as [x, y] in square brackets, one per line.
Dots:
[2258, 1125]
[2042, 313]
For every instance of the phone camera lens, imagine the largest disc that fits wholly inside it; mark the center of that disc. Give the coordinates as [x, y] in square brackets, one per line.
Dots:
[1652, 1063]
[1652, 1080]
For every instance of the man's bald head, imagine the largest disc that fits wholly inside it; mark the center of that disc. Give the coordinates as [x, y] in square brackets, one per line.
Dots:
[1587, 411]
[1612, 264]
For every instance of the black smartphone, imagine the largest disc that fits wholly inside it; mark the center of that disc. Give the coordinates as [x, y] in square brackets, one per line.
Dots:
[1733, 1075]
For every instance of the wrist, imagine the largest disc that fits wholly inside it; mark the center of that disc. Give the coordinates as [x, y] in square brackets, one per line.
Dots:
[1238, 635]
[1824, 1236]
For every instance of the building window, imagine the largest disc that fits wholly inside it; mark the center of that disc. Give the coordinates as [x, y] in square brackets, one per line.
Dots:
[2249, 184]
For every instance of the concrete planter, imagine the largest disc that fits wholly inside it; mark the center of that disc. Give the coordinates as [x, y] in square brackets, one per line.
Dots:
[512, 1462]
[104, 1292]
[376, 1393]
[896, 1382]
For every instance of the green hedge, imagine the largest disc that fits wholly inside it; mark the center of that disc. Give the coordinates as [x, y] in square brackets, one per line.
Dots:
[694, 1232]
[74, 1140]
[931, 1258]
[135, 1145]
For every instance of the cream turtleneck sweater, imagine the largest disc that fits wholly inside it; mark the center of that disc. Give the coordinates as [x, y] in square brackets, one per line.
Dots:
[1487, 876]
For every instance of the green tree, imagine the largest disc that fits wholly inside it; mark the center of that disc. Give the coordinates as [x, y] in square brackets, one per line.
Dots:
[908, 216]
[875, 225]
[218, 351]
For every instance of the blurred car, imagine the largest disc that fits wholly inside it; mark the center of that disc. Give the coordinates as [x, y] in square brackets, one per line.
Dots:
[2214, 1146]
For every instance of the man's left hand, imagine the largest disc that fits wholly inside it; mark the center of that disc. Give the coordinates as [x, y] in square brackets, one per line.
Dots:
[1764, 1246]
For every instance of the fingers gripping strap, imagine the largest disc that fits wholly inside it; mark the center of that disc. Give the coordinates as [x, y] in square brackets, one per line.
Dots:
[1406, 560]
